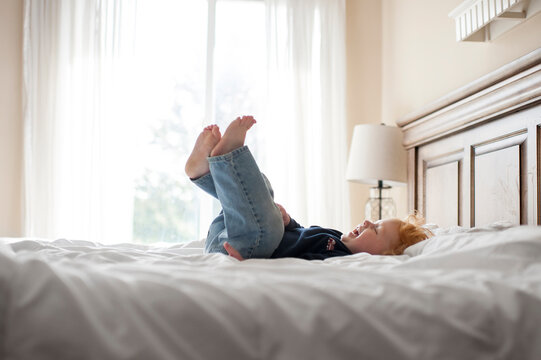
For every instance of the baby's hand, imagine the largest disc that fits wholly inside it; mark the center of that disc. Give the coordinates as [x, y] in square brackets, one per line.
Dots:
[285, 216]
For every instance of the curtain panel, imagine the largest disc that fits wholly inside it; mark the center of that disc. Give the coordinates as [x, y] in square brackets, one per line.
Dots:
[77, 81]
[81, 88]
[306, 109]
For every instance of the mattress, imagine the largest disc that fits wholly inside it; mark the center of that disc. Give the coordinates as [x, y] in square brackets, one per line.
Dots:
[465, 293]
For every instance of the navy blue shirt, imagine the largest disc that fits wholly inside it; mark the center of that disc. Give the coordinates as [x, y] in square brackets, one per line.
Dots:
[313, 243]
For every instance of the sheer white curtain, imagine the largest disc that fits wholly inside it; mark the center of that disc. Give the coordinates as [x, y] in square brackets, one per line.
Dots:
[81, 114]
[306, 124]
[78, 108]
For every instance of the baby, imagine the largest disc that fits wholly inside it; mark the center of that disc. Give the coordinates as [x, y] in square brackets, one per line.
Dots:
[252, 225]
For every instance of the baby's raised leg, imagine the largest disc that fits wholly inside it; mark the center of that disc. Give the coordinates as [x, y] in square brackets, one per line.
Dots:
[197, 164]
[234, 135]
[251, 223]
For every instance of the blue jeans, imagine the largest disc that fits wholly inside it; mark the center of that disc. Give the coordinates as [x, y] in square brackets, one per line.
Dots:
[249, 220]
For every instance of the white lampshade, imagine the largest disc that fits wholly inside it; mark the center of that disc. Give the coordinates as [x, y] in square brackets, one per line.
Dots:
[377, 154]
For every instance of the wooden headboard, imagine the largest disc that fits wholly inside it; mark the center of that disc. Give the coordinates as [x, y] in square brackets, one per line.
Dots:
[474, 155]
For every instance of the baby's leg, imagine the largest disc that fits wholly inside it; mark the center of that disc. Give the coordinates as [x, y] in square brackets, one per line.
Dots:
[206, 183]
[234, 136]
[197, 164]
[197, 167]
[253, 224]
[217, 234]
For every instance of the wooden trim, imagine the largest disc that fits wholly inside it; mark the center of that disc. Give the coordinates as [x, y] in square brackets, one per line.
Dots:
[537, 197]
[456, 156]
[519, 91]
[502, 142]
[451, 164]
[412, 180]
[443, 159]
[460, 190]
[466, 187]
[504, 72]
[523, 178]
[517, 138]
[471, 174]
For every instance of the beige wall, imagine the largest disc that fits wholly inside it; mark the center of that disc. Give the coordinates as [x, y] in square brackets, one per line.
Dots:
[420, 62]
[364, 72]
[11, 26]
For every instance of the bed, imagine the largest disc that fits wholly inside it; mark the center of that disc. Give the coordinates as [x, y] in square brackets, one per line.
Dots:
[473, 291]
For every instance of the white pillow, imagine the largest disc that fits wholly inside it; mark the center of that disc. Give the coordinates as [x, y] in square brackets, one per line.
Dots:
[445, 239]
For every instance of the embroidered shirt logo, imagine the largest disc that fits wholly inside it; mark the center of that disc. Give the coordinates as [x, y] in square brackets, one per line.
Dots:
[330, 244]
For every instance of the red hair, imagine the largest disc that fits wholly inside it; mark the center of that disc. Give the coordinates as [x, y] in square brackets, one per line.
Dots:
[410, 232]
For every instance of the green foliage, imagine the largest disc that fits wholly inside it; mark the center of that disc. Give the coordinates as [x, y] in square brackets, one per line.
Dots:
[165, 209]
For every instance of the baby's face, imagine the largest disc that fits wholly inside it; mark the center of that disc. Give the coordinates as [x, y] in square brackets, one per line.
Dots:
[373, 238]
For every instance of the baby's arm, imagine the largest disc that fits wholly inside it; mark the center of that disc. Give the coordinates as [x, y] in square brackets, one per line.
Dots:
[289, 223]
[293, 225]
[285, 216]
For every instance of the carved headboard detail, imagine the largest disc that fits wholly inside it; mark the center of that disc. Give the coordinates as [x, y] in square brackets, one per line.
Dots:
[474, 155]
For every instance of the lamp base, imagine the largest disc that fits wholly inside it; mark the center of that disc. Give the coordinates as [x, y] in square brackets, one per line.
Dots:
[380, 205]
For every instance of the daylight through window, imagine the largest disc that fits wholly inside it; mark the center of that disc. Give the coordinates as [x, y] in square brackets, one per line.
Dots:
[198, 63]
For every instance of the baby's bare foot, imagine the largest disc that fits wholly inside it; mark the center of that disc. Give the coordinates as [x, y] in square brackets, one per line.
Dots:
[234, 135]
[197, 164]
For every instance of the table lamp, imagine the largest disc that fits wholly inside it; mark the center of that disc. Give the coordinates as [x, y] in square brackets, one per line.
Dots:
[377, 157]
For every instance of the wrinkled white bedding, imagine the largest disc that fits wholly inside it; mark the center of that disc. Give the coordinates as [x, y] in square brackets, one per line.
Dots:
[462, 295]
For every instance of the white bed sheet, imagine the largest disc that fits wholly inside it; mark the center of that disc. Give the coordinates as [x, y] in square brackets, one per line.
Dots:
[464, 294]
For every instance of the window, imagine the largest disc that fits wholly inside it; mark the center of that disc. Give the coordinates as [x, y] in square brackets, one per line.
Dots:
[199, 63]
